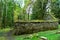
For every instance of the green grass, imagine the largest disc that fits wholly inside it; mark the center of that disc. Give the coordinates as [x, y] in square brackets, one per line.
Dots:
[5, 30]
[51, 35]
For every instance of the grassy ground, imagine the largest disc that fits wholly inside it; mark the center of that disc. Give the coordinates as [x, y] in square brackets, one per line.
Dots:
[51, 35]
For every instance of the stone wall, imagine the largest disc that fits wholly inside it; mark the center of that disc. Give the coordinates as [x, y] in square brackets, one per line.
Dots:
[32, 27]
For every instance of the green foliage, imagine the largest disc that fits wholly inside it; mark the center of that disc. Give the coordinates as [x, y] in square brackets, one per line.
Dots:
[53, 0]
[23, 15]
[39, 9]
[7, 12]
[0, 13]
[56, 8]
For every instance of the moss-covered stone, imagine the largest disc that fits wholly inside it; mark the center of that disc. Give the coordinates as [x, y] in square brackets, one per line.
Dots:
[32, 27]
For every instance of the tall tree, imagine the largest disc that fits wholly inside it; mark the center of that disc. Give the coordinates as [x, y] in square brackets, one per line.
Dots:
[39, 9]
[1, 13]
[7, 12]
[56, 8]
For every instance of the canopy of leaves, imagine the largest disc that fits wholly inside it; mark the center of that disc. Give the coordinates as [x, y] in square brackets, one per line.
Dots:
[39, 9]
[56, 8]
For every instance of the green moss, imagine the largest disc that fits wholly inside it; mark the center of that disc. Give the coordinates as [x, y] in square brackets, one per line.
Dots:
[37, 21]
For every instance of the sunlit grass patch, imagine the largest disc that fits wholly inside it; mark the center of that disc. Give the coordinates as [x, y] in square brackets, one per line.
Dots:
[6, 30]
[3, 38]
